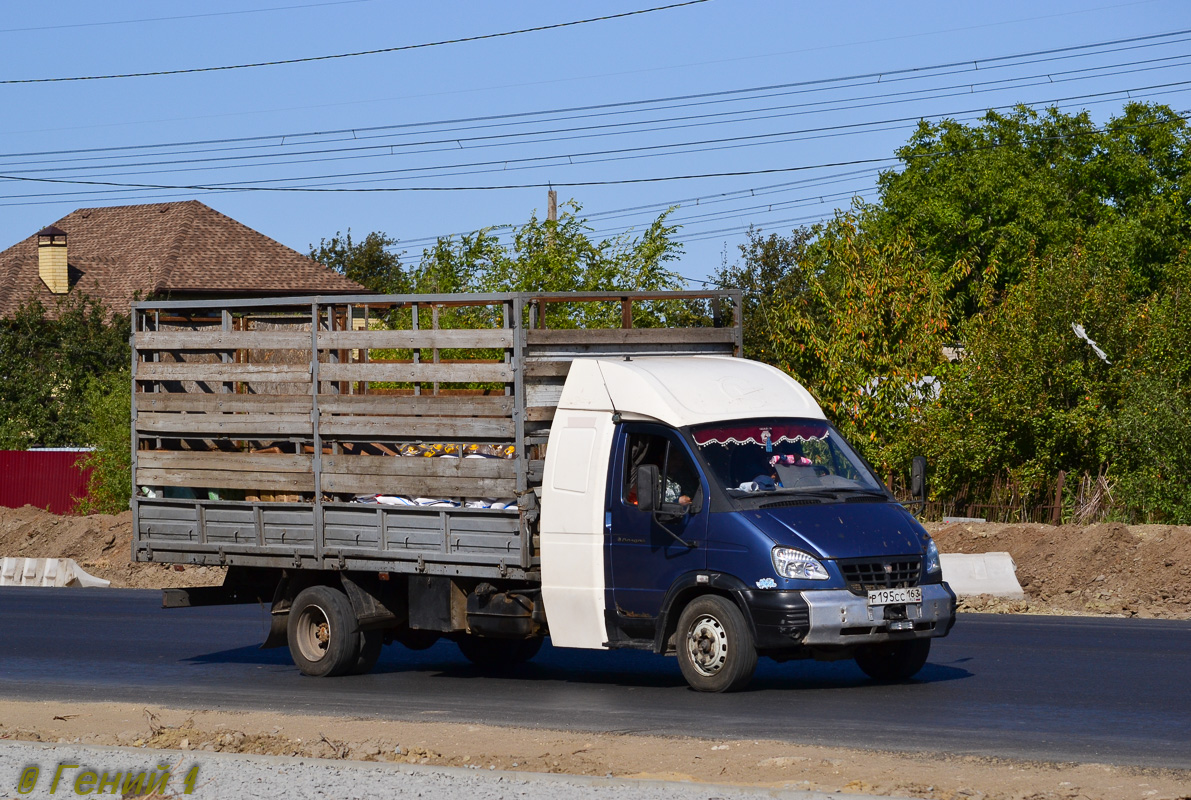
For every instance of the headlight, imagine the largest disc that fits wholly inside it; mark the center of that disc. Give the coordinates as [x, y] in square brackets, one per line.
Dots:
[932, 556]
[791, 563]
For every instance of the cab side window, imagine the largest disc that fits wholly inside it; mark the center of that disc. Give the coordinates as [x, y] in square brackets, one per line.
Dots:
[680, 479]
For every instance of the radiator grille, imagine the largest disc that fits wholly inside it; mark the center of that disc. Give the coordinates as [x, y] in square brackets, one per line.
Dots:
[863, 575]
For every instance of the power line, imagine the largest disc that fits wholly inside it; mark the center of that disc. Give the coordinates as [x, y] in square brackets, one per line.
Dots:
[882, 77]
[699, 202]
[589, 157]
[545, 136]
[604, 75]
[571, 184]
[378, 51]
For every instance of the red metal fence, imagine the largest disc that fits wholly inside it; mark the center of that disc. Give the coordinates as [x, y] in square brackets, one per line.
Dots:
[49, 479]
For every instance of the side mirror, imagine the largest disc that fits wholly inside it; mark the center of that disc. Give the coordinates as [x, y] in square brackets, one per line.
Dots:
[647, 487]
[918, 478]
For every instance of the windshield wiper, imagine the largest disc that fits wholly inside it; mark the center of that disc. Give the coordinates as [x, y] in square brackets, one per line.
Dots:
[816, 491]
[862, 491]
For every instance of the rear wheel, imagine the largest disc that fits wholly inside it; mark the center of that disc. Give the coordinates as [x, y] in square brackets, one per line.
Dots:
[324, 636]
[716, 652]
[893, 661]
[497, 654]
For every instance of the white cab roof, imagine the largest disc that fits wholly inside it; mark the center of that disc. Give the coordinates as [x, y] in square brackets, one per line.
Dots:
[686, 390]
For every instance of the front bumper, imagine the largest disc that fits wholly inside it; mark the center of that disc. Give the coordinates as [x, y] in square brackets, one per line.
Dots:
[836, 617]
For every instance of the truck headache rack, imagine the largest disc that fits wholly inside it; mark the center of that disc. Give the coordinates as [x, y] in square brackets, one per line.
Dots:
[401, 433]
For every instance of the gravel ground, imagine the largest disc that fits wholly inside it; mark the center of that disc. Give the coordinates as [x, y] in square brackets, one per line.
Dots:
[260, 777]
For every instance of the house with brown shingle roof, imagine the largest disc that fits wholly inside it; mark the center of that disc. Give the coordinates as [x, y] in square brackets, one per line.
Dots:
[176, 251]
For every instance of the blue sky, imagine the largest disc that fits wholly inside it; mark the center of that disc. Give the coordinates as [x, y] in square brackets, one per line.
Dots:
[425, 117]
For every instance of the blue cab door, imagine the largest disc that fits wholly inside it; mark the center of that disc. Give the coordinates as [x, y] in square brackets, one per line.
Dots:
[644, 559]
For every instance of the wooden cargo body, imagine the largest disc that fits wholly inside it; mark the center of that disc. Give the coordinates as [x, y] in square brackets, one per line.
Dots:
[257, 425]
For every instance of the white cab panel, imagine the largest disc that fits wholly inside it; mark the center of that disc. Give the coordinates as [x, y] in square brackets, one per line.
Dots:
[677, 391]
[572, 526]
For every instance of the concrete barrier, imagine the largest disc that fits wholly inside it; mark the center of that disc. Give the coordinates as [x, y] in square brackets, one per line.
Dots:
[981, 573]
[46, 572]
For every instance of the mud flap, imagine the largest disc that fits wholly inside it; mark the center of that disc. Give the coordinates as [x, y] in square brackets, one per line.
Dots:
[278, 637]
[279, 616]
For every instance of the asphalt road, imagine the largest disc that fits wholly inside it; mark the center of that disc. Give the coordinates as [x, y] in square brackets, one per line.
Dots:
[1044, 688]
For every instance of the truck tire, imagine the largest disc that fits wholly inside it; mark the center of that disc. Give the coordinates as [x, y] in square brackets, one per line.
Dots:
[370, 644]
[324, 636]
[498, 654]
[890, 662]
[716, 651]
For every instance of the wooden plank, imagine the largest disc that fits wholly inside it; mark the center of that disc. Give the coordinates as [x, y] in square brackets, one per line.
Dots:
[479, 372]
[223, 403]
[411, 486]
[197, 426]
[216, 372]
[226, 479]
[543, 369]
[222, 340]
[454, 428]
[417, 405]
[540, 413]
[616, 297]
[631, 336]
[415, 466]
[412, 340]
[232, 462]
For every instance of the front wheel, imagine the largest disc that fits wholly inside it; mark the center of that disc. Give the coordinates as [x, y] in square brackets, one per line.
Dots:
[324, 636]
[716, 652]
[890, 662]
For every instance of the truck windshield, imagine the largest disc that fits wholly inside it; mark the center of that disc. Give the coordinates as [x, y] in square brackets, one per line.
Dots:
[782, 455]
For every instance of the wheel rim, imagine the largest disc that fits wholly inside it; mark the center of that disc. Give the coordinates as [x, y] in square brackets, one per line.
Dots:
[707, 645]
[314, 633]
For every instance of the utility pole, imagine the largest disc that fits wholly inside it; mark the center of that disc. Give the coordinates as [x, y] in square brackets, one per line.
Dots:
[551, 216]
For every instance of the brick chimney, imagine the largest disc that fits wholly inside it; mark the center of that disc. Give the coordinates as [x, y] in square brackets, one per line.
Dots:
[51, 259]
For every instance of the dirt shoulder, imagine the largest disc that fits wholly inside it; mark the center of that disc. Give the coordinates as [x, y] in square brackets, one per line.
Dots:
[758, 763]
[100, 543]
[1108, 569]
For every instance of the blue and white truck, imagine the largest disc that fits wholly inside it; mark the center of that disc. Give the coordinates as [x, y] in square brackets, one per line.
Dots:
[401, 469]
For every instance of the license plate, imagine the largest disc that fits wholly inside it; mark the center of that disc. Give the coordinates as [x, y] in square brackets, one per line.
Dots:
[886, 597]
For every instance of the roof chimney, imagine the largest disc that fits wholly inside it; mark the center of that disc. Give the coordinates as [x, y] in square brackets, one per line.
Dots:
[51, 259]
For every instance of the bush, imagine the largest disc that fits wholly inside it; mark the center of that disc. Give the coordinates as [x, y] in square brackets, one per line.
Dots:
[107, 402]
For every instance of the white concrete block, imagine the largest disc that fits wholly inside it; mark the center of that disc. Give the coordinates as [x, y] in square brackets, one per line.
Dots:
[46, 572]
[981, 573]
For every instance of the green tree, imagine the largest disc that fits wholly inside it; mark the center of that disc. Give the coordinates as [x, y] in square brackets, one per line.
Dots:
[770, 267]
[1149, 451]
[370, 263]
[861, 321]
[1028, 183]
[559, 256]
[107, 400]
[1029, 397]
[46, 360]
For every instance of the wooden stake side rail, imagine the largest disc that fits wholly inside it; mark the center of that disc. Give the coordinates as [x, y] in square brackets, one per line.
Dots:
[215, 340]
[312, 400]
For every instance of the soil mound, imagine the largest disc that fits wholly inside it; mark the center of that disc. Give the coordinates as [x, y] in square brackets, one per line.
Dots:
[1110, 568]
[100, 543]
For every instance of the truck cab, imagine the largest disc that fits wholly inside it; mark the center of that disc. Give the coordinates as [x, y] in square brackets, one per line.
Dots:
[704, 507]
